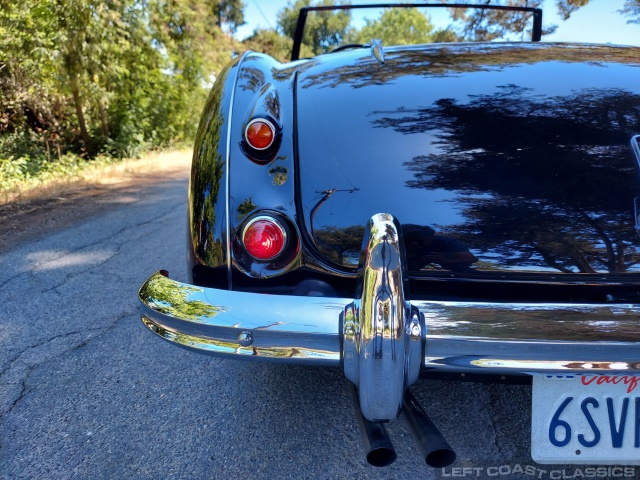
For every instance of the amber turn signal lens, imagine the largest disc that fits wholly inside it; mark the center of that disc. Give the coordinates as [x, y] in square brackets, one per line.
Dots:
[264, 238]
[260, 134]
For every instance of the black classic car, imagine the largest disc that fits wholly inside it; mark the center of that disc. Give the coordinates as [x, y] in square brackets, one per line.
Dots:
[446, 208]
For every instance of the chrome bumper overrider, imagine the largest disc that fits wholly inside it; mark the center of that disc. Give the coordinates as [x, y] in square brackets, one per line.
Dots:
[383, 341]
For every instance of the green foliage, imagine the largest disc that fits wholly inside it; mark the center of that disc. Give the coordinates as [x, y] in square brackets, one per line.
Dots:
[25, 171]
[229, 12]
[87, 78]
[82, 79]
[324, 30]
[567, 7]
[479, 25]
[327, 30]
[271, 43]
[397, 26]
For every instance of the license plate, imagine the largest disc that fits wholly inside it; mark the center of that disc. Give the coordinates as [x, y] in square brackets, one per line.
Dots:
[586, 419]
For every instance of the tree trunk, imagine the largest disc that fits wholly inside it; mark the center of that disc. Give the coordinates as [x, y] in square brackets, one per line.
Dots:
[103, 119]
[75, 91]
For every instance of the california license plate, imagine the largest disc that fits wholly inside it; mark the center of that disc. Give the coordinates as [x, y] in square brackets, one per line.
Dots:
[586, 419]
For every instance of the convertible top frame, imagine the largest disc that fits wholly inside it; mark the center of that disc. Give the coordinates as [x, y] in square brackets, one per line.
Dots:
[536, 33]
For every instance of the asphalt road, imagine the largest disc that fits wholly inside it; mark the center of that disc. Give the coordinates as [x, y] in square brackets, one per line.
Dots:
[86, 392]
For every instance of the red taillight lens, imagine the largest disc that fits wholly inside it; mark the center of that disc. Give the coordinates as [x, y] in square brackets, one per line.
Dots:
[264, 238]
[260, 134]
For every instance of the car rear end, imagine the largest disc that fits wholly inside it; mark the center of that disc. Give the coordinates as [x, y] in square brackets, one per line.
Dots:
[453, 208]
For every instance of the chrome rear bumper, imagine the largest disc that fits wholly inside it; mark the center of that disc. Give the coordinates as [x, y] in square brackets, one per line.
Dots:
[383, 340]
[461, 337]
[303, 330]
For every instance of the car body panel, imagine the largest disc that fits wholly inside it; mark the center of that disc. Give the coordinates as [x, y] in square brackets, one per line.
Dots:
[207, 215]
[511, 158]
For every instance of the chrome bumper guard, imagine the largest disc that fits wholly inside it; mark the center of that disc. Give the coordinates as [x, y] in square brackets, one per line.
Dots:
[383, 341]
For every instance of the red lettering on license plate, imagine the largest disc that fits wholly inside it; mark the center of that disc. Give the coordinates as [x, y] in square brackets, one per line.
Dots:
[629, 380]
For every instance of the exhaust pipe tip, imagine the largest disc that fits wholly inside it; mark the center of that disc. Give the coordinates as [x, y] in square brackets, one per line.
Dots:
[440, 458]
[377, 445]
[381, 457]
[437, 452]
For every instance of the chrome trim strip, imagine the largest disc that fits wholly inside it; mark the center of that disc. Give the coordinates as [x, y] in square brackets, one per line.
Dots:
[487, 355]
[227, 160]
[635, 146]
[220, 347]
[529, 321]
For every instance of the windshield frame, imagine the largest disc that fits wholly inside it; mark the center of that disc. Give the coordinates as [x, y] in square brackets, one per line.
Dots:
[536, 33]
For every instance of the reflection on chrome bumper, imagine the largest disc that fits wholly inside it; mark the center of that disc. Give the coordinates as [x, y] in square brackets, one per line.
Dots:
[491, 338]
[301, 330]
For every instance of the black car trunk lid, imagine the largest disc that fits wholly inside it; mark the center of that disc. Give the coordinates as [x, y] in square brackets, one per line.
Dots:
[497, 161]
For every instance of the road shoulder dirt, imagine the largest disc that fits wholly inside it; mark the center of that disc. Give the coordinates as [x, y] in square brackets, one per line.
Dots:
[63, 205]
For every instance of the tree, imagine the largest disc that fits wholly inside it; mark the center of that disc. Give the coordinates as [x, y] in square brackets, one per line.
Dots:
[567, 7]
[483, 25]
[229, 12]
[270, 42]
[397, 26]
[89, 76]
[94, 40]
[28, 39]
[324, 30]
[401, 26]
[631, 9]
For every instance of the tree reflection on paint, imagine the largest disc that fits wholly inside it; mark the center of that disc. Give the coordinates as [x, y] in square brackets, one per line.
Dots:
[206, 211]
[453, 60]
[340, 245]
[542, 181]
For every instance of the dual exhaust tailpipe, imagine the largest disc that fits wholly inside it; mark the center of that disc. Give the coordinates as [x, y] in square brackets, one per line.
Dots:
[377, 445]
[383, 345]
[379, 450]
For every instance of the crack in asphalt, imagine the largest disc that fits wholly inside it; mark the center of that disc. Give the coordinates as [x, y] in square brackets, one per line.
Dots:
[106, 330]
[72, 348]
[116, 250]
[110, 235]
[494, 428]
[161, 219]
[46, 352]
[21, 395]
[40, 344]
[494, 401]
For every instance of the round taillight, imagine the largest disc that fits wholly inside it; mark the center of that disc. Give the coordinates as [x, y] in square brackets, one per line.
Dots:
[264, 238]
[260, 134]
